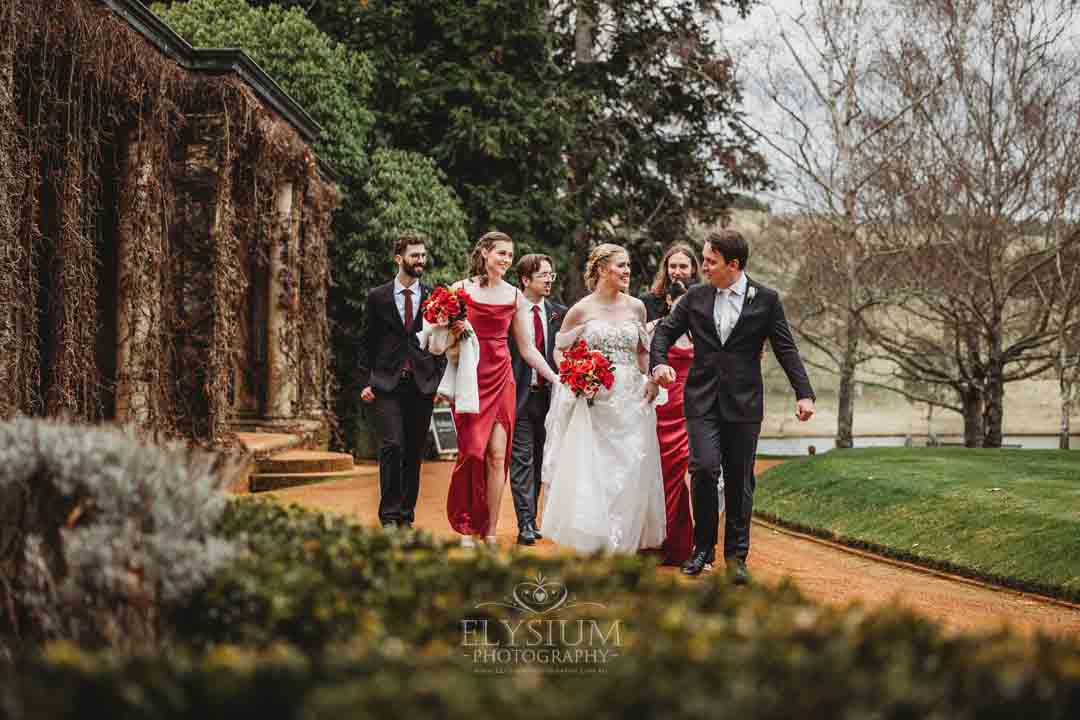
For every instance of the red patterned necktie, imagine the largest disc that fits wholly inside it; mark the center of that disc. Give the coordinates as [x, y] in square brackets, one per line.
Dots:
[408, 321]
[538, 337]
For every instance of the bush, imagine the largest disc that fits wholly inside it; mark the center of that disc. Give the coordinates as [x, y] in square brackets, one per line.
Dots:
[326, 619]
[327, 79]
[407, 191]
[100, 531]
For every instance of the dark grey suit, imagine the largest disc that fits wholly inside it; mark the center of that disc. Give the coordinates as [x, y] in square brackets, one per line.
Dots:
[527, 446]
[724, 402]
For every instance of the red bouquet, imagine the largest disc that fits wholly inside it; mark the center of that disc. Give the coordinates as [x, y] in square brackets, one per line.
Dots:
[445, 307]
[585, 371]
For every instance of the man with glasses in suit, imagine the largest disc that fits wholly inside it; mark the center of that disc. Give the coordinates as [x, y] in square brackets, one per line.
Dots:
[536, 275]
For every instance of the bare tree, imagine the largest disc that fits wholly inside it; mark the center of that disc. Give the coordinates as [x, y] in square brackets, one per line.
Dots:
[1067, 355]
[979, 194]
[822, 81]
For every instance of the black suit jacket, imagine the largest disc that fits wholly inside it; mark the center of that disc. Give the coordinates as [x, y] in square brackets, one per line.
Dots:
[727, 376]
[387, 342]
[522, 370]
[654, 306]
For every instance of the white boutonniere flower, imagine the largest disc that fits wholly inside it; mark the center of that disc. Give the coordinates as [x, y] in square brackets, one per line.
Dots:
[750, 293]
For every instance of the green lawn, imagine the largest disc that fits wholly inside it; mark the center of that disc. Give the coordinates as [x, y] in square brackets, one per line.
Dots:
[1011, 516]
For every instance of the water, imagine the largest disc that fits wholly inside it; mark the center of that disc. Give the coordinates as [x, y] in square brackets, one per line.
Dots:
[801, 445]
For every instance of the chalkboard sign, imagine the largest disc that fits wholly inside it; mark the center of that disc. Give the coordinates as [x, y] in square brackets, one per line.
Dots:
[443, 430]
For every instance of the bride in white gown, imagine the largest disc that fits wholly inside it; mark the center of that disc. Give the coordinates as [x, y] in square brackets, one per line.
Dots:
[604, 486]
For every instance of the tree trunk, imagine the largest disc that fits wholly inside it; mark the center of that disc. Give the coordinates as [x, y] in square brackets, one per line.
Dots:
[580, 164]
[845, 416]
[1066, 409]
[1066, 388]
[994, 400]
[973, 417]
[931, 436]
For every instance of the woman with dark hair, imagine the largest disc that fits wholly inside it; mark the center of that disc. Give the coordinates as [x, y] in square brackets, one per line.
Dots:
[675, 445]
[680, 262]
[495, 308]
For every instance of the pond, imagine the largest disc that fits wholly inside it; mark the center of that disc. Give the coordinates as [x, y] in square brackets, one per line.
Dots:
[801, 445]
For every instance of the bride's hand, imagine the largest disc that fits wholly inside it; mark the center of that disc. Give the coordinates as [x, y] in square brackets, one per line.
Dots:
[651, 391]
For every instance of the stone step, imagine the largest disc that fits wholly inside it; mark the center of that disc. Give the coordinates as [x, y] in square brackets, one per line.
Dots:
[262, 482]
[292, 462]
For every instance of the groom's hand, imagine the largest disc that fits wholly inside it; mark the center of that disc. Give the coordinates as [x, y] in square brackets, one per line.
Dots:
[663, 375]
[804, 409]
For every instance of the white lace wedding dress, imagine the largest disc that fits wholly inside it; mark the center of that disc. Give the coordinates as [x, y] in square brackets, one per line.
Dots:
[604, 486]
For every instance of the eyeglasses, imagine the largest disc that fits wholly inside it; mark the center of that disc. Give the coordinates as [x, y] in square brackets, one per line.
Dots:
[546, 275]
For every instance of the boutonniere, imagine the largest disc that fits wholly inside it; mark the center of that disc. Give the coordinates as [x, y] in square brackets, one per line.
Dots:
[554, 317]
[750, 293]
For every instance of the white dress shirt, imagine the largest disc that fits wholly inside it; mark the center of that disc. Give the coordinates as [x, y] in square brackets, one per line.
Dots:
[544, 322]
[399, 300]
[728, 306]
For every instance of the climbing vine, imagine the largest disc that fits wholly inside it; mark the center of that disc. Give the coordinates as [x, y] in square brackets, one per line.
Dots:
[113, 156]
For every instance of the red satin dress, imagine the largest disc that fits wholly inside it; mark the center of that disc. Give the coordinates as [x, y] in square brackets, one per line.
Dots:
[466, 505]
[675, 460]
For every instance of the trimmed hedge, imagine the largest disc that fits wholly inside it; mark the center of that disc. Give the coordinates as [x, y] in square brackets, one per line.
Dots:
[326, 619]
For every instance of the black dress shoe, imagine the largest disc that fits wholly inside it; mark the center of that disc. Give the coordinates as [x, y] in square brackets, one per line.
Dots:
[737, 572]
[698, 563]
[535, 531]
[526, 536]
[389, 525]
[405, 525]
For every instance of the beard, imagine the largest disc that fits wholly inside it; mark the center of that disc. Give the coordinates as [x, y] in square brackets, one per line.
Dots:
[416, 270]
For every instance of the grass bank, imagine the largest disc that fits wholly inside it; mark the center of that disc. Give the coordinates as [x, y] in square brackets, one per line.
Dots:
[1008, 516]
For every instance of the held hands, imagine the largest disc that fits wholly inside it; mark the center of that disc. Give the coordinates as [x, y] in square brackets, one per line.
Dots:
[804, 409]
[663, 375]
[457, 328]
[651, 391]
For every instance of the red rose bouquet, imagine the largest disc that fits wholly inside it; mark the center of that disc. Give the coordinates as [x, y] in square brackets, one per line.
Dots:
[585, 371]
[445, 307]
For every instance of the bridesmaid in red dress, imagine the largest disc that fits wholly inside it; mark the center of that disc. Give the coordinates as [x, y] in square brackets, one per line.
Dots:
[675, 447]
[495, 308]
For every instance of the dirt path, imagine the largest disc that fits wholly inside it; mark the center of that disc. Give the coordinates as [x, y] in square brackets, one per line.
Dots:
[824, 572]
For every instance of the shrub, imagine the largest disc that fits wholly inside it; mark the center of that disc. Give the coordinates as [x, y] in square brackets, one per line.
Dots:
[326, 619]
[101, 530]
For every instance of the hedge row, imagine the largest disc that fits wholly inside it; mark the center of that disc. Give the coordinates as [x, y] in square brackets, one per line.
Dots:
[326, 619]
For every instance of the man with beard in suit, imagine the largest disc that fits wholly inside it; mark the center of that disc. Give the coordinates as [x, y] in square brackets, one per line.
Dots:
[729, 318]
[536, 275]
[402, 379]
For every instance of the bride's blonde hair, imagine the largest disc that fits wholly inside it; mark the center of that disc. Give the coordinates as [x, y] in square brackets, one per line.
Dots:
[599, 259]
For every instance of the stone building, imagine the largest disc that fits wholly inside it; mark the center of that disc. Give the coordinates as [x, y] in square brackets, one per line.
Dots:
[164, 225]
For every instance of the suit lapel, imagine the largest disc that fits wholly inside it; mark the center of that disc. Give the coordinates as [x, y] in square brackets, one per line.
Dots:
[745, 309]
[549, 341]
[391, 306]
[709, 300]
[424, 292]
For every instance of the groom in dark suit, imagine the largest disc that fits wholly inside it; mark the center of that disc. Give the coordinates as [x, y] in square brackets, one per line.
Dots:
[402, 379]
[729, 319]
[536, 274]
